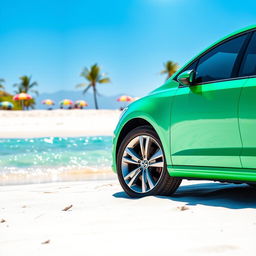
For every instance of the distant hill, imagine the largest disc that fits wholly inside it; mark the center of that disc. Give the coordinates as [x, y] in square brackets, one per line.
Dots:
[105, 102]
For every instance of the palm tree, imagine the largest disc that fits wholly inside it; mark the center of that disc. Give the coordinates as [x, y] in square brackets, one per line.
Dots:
[94, 77]
[26, 85]
[170, 68]
[2, 87]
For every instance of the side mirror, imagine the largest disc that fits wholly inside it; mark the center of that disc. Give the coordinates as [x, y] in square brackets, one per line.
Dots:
[186, 78]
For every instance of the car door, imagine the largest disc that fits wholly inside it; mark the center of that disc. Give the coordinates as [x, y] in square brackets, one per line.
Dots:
[204, 117]
[247, 106]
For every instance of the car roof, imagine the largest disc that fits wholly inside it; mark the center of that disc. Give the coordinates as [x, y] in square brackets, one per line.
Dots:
[248, 28]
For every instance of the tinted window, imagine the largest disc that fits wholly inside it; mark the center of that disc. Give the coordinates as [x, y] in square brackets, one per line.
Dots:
[248, 67]
[191, 67]
[219, 63]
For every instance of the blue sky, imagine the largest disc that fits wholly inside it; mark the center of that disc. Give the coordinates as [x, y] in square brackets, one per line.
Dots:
[130, 39]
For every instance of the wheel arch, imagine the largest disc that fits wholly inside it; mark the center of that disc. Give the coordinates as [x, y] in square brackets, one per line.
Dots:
[129, 126]
[141, 121]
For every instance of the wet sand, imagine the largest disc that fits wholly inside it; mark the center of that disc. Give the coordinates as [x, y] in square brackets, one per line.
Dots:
[82, 174]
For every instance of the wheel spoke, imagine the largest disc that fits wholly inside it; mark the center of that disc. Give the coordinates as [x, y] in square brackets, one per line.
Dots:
[143, 182]
[131, 174]
[157, 164]
[129, 160]
[147, 147]
[157, 155]
[135, 177]
[142, 149]
[149, 179]
[132, 153]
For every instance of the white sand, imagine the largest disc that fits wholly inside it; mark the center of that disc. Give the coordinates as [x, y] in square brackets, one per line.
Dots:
[65, 123]
[220, 220]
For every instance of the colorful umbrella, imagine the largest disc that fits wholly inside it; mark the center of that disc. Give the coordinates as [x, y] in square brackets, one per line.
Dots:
[125, 98]
[48, 102]
[66, 102]
[6, 105]
[22, 96]
[81, 103]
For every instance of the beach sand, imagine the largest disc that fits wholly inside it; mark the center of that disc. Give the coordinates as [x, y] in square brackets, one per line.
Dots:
[57, 123]
[203, 218]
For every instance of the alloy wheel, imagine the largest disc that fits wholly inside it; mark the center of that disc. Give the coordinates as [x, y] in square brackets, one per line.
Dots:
[142, 164]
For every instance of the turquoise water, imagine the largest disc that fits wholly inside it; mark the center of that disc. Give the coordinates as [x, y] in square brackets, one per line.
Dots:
[54, 155]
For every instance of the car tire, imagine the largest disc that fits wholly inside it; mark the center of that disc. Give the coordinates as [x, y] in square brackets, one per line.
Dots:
[141, 165]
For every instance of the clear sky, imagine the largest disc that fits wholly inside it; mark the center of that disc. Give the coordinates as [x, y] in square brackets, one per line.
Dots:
[52, 40]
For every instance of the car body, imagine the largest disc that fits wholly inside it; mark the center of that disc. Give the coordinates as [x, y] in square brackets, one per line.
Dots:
[205, 114]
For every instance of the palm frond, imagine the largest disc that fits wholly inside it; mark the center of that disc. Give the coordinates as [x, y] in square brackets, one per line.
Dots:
[94, 76]
[104, 80]
[26, 85]
[170, 68]
[85, 72]
[95, 72]
[81, 85]
[33, 84]
[35, 92]
[86, 89]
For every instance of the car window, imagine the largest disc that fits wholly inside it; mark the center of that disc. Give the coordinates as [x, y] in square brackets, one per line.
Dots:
[248, 66]
[191, 66]
[218, 64]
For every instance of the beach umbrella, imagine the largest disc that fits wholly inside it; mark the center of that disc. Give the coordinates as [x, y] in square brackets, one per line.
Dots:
[48, 102]
[81, 104]
[66, 102]
[21, 97]
[6, 105]
[125, 98]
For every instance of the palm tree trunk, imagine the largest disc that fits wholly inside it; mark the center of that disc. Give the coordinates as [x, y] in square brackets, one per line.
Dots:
[95, 98]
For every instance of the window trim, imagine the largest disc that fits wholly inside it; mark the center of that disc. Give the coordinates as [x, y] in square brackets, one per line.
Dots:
[237, 64]
[244, 54]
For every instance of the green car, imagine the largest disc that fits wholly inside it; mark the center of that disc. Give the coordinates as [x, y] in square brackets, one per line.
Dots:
[201, 124]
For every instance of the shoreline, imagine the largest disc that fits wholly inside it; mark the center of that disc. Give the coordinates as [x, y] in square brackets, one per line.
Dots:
[71, 175]
[74, 175]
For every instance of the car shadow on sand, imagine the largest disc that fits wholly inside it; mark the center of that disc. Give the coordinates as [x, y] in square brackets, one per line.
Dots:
[212, 194]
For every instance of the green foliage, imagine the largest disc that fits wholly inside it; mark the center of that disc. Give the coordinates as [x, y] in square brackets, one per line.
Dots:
[26, 85]
[93, 76]
[4, 96]
[29, 104]
[170, 68]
